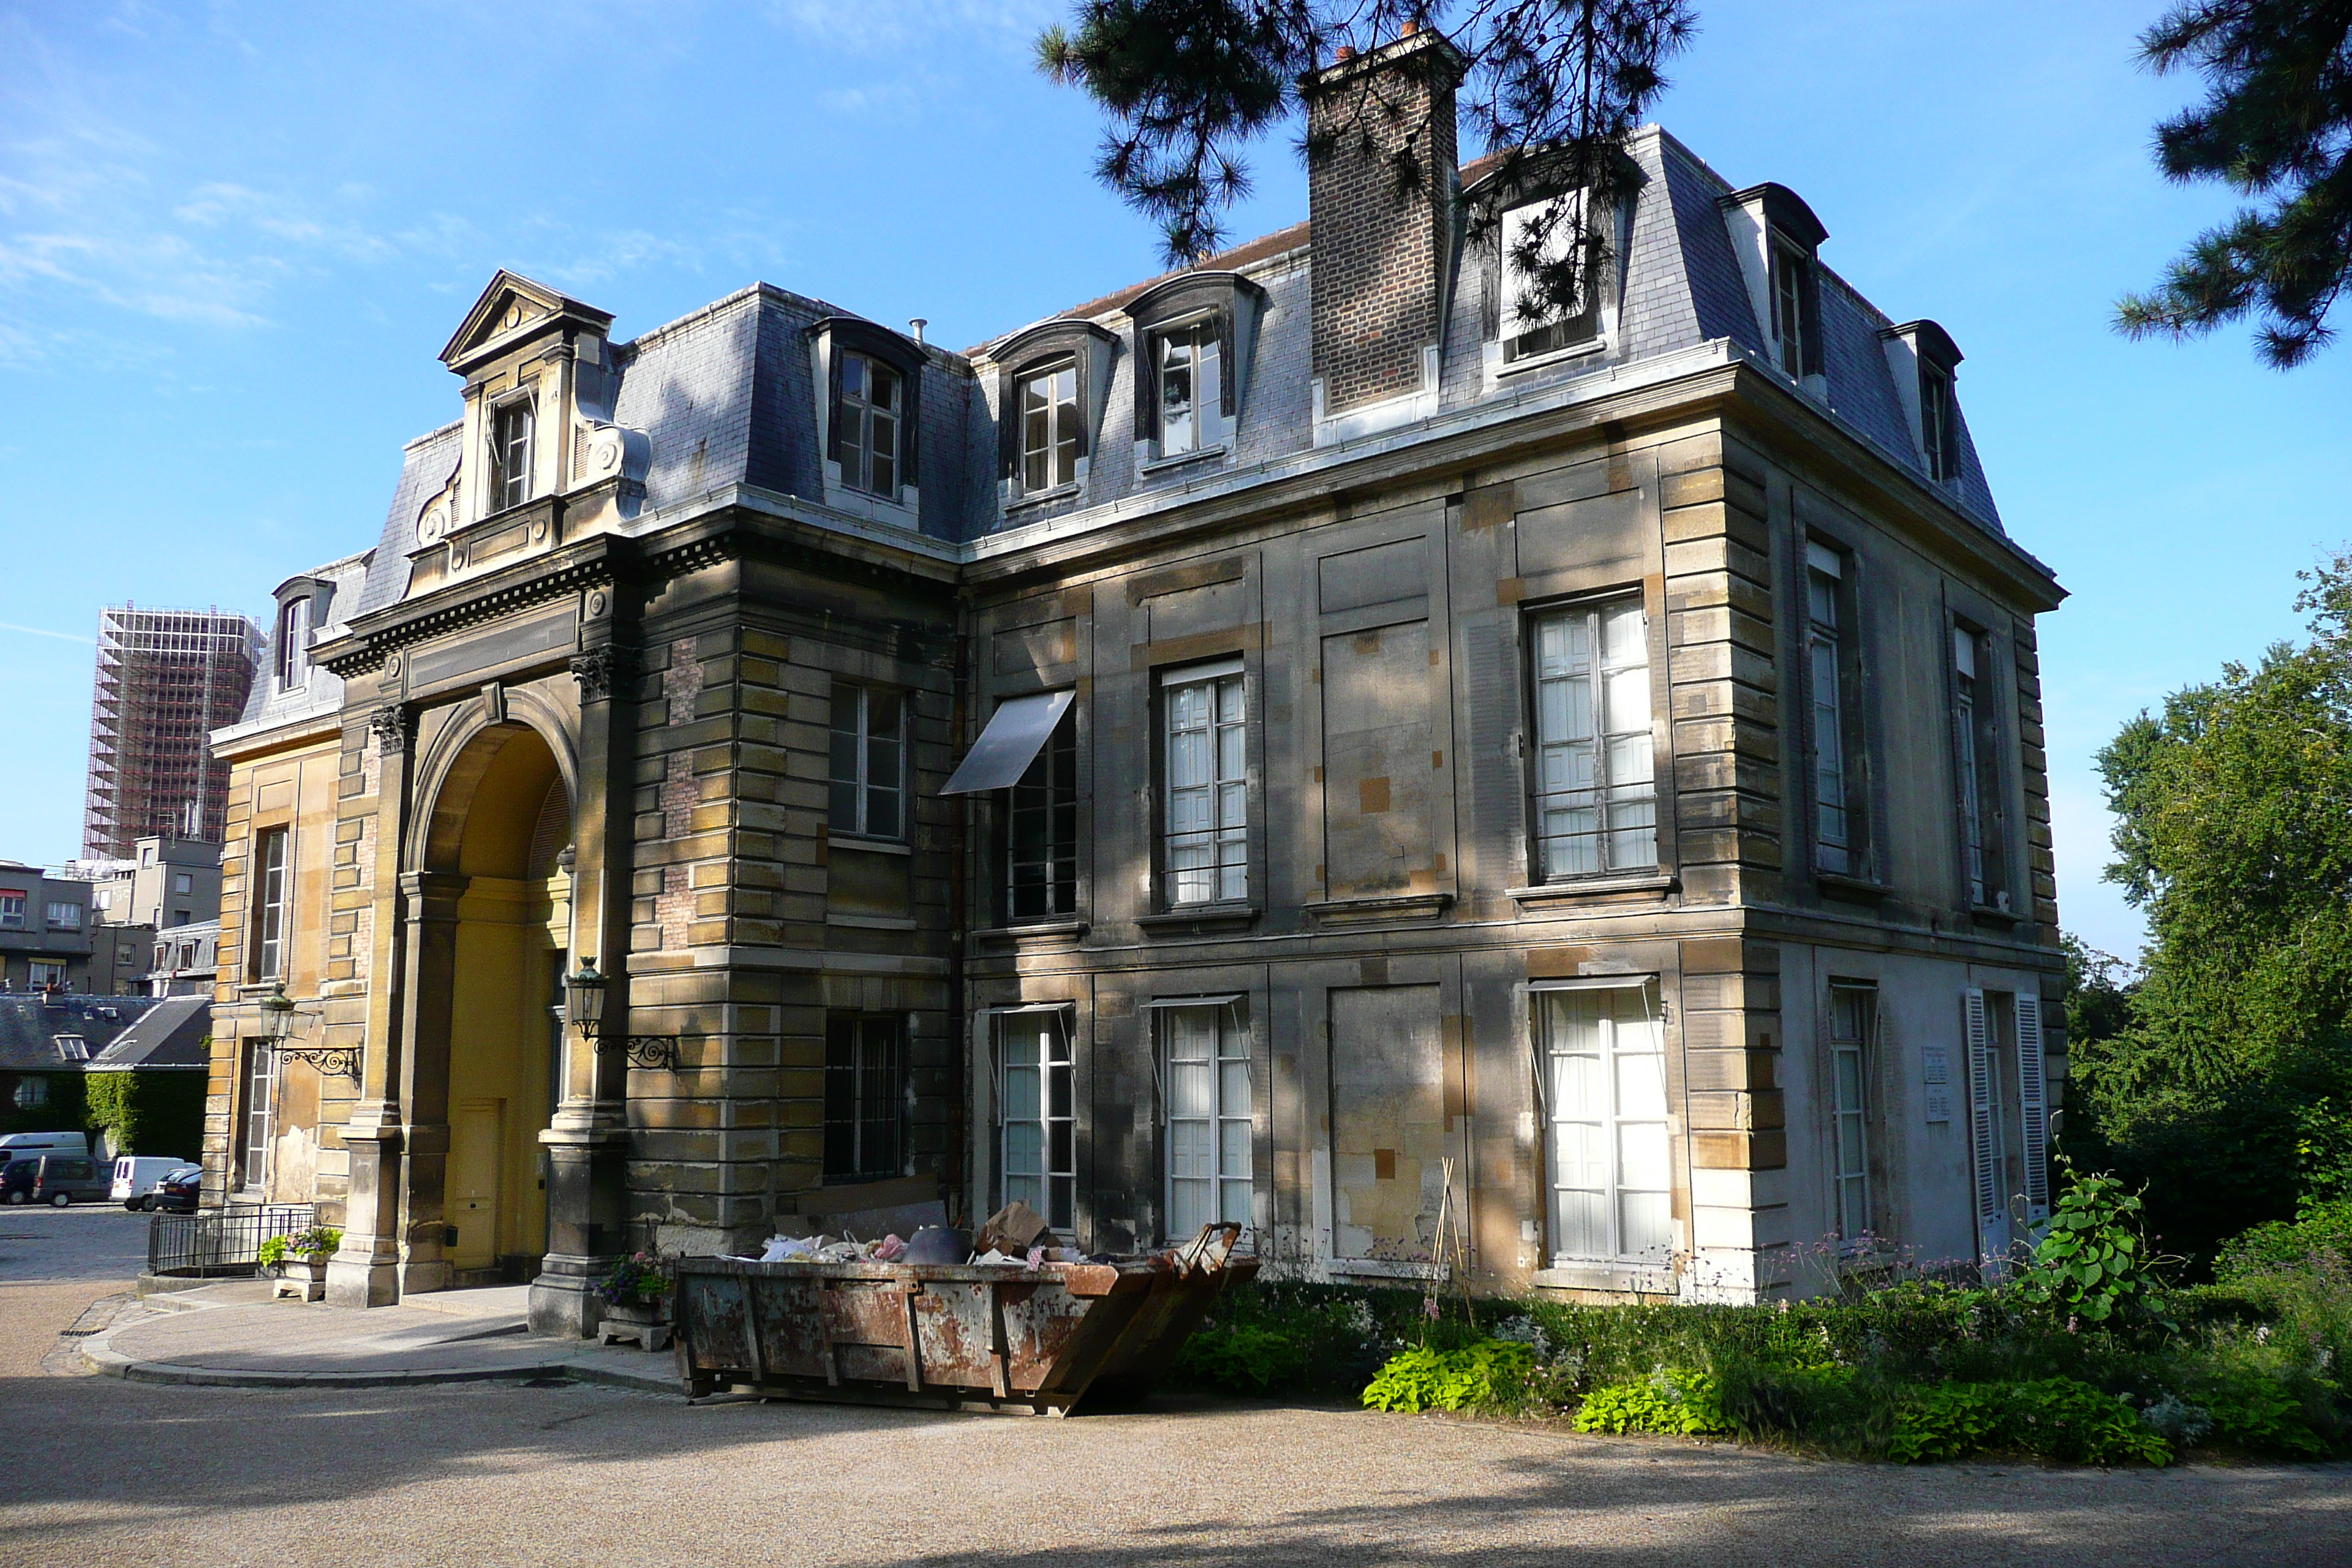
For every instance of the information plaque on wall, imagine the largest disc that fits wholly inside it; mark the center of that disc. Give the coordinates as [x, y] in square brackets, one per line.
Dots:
[1938, 1073]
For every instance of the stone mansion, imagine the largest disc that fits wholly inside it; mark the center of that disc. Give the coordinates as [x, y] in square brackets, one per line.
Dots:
[1288, 740]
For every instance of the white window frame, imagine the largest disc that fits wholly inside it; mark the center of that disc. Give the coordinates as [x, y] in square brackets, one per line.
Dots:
[63, 914]
[42, 973]
[514, 430]
[1834, 837]
[862, 422]
[1208, 1130]
[1940, 433]
[1967, 760]
[1529, 335]
[1626, 1132]
[1053, 433]
[258, 1114]
[1850, 1071]
[1595, 757]
[874, 774]
[1036, 1112]
[1204, 790]
[12, 912]
[1789, 278]
[293, 638]
[1194, 430]
[273, 903]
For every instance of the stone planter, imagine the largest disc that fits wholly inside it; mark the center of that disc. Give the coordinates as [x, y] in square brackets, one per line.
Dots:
[646, 1323]
[305, 1278]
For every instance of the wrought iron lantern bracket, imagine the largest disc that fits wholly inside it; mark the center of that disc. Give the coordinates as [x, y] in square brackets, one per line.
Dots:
[583, 997]
[334, 1061]
[643, 1050]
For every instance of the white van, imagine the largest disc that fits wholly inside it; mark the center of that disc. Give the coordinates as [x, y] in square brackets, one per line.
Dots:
[136, 1176]
[32, 1146]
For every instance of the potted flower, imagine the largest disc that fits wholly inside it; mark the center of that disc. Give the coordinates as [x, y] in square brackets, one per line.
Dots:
[312, 1248]
[635, 1294]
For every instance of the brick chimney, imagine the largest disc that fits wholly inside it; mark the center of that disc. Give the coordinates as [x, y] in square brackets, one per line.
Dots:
[1380, 253]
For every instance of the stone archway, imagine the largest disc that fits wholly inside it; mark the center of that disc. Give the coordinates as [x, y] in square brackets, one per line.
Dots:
[485, 1076]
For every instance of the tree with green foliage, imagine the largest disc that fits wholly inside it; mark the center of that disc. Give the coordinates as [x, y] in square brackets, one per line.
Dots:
[2234, 834]
[2276, 123]
[1554, 85]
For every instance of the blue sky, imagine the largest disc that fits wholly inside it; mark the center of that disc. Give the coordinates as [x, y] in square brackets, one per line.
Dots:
[233, 237]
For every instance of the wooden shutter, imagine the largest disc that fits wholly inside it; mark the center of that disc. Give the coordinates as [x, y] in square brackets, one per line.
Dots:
[833, 401]
[910, 423]
[1147, 386]
[1228, 375]
[2033, 1112]
[1008, 426]
[1808, 309]
[1985, 1151]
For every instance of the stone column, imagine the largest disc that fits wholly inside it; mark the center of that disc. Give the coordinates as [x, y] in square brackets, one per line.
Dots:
[587, 1139]
[430, 948]
[364, 1271]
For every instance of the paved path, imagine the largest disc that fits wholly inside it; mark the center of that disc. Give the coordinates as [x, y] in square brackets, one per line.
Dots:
[135, 1474]
[87, 1241]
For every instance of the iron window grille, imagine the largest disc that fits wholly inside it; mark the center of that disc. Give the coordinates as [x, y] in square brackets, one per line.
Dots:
[869, 762]
[1041, 838]
[868, 411]
[1596, 770]
[865, 1098]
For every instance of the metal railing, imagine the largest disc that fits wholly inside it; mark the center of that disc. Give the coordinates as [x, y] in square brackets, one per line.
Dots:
[221, 1241]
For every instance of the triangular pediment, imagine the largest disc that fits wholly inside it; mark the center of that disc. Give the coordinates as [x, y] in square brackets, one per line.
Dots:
[512, 309]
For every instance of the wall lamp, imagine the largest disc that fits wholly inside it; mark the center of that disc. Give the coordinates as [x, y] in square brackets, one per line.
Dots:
[279, 1025]
[584, 1004]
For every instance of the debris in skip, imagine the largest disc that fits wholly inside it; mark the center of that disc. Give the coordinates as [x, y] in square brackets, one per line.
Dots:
[1008, 1319]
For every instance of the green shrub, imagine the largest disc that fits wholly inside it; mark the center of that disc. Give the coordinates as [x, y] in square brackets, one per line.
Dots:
[2091, 1262]
[272, 1252]
[1685, 1404]
[2055, 1418]
[1245, 1358]
[1482, 1376]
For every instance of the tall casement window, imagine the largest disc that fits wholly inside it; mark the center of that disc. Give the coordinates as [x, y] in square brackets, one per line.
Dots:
[868, 420]
[1052, 437]
[1206, 1061]
[511, 445]
[1036, 1131]
[254, 1129]
[1595, 768]
[865, 1097]
[1205, 807]
[293, 638]
[869, 762]
[1185, 359]
[1854, 1011]
[1544, 232]
[271, 892]
[1041, 831]
[1604, 1095]
[1975, 747]
[1939, 423]
[1793, 309]
[1837, 818]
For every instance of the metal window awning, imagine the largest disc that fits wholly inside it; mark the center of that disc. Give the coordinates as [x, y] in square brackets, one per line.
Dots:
[1016, 732]
[1223, 1000]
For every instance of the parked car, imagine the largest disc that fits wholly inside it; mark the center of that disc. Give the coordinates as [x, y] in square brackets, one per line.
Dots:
[136, 1177]
[62, 1179]
[177, 1193]
[33, 1146]
[17, 1180]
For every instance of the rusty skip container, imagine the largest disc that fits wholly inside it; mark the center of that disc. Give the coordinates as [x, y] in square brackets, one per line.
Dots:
[939, 1336]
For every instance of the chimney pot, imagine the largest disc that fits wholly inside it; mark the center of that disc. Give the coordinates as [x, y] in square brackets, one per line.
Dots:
[1347, 52]
[918, 324]
[1409, 29]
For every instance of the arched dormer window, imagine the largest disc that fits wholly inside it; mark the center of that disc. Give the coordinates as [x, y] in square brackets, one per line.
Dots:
[873, 414]
[1051, 381]
[1194, 339]
[294, 642]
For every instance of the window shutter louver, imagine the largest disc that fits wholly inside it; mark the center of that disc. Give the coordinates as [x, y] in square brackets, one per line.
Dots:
[1985, 1152]
[2033, 1113]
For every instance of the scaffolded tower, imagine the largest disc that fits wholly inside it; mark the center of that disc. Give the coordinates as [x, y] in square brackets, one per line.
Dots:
[166, 679]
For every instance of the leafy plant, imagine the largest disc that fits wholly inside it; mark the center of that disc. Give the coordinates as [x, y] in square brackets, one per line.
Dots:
[2094, 1262]
[317, 1242]
[272, 1252]
[1671, 1400]
[638, 1279]
[1478, 1376]
[2054, 1418]
[1245, 1357]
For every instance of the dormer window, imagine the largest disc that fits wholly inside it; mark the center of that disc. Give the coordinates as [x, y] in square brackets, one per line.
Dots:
[293, 642]
[1188, 374]
[1940, 424]
[1548, 228]
[871, 395]
[1052, 431]
[511, 445]
[1792, 284]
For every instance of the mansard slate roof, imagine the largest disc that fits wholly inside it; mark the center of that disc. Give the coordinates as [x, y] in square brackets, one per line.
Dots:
[268, 705]
[29, 1026]
[726, 394]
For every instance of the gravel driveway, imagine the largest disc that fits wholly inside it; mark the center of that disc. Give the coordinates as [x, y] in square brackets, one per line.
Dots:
[495, 1474]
